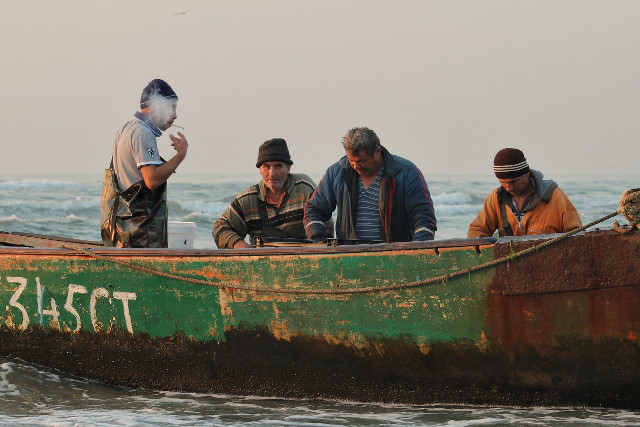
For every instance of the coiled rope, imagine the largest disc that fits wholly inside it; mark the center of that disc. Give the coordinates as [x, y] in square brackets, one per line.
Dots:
[630, 208]
[634, 221]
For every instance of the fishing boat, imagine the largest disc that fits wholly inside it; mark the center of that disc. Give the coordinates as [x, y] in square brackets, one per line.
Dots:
[534, 320]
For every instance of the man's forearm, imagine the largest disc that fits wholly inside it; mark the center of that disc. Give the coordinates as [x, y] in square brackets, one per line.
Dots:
[155, 176]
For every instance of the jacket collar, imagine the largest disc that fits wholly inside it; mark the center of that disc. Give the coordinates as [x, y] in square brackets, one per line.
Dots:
[544, 187]
[145, 120]
[391, 166]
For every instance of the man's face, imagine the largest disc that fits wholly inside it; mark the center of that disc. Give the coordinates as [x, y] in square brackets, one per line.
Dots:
[274, 175]
[516, 186]
[163, 112]
[365, 164]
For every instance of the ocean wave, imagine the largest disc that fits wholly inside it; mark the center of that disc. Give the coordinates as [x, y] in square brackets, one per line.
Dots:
[52, 205]
[455, 210]
[457, 198]
[5, 385]
[71, 219]
[10, 218]
[48, 221]
[194, 216]
[199, 207]
[27, 184]
[79, 203]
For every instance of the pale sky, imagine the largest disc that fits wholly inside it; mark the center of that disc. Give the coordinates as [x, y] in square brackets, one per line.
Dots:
[445, 84]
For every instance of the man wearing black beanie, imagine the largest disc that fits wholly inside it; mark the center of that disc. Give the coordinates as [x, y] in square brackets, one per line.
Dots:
[525, 203]
[134, 211]
[272, 208]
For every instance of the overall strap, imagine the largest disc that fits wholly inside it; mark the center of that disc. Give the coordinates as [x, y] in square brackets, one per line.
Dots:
[505, 222]
[262, 210]
[267, 230]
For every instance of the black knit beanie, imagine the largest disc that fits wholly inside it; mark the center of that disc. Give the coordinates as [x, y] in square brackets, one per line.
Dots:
[510, 163]
[273, 150]
[156, 87]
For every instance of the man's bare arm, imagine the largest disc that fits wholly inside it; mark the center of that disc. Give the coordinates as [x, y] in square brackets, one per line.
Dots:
[156, 175]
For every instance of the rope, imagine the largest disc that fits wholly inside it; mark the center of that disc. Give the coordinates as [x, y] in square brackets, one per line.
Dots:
[630, 208]
[369, 289]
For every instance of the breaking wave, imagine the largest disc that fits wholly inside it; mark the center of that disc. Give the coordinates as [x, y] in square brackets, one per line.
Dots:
[452, 199]
[27, 184]
[53, 205]
[67, 219]
[8, 219]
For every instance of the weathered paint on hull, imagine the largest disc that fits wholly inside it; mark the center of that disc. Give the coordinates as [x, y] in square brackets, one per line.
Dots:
[500, 336]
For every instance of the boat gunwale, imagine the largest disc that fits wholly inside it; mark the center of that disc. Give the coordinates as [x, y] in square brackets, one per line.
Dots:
[471, 243]
[57, 248]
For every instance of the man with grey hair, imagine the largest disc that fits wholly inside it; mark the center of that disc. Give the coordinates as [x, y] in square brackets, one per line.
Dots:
[379, 196]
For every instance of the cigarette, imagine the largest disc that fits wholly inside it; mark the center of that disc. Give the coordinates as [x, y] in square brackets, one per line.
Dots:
[179, 127]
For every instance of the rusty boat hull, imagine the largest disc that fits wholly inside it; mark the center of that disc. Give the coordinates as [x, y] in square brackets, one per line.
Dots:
[556, 327]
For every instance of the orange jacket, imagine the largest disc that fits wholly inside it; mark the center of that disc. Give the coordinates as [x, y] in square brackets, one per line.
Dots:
[553, 213]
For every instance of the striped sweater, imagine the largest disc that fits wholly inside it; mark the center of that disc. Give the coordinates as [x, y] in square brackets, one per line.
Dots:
[242, 217]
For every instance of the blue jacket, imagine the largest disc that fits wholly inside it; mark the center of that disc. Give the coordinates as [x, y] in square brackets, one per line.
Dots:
[405, 206]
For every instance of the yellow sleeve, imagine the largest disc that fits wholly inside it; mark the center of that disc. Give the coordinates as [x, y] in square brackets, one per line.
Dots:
[488, 220]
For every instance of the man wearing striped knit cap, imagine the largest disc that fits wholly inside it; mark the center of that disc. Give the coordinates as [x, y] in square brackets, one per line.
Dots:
[525, 203]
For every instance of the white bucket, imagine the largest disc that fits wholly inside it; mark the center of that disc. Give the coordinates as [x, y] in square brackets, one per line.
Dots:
[181, 234]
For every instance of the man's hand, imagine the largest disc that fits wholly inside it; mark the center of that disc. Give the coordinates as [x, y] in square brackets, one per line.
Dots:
[180, 144]
[241, 244]
[154, 176]
[423, 236]
[320, 237]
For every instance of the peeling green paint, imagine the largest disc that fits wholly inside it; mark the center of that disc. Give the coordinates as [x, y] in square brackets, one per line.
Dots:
[164, 306]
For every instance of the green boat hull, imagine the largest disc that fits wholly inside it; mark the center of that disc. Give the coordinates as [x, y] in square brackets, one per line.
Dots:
[555, 327]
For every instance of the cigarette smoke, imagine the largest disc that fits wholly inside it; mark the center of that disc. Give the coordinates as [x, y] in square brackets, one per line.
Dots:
[162, 109]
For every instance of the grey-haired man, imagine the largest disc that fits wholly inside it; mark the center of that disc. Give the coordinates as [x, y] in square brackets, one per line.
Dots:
[379, 196]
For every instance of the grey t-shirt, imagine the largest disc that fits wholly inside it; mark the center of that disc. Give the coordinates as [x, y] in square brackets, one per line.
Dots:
[135, 146]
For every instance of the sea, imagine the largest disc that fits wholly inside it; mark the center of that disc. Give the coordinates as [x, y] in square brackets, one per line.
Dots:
[69, 205]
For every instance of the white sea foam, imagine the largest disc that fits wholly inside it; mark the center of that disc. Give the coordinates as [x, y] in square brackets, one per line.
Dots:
[446, 210]
[452, 199]
[202, 208]
[74, 218]
[6, 388]
[53, 205]
[27, 184]
[49, 400]
[458, 199]
[79, 203]
[10, 218]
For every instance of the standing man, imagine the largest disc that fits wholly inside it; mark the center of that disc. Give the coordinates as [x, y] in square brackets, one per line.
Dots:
[525, 203]
[379, 196]
[137, 217]
[272, 208]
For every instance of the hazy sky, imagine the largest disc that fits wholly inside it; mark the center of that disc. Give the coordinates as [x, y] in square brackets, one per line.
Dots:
[444, 83]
